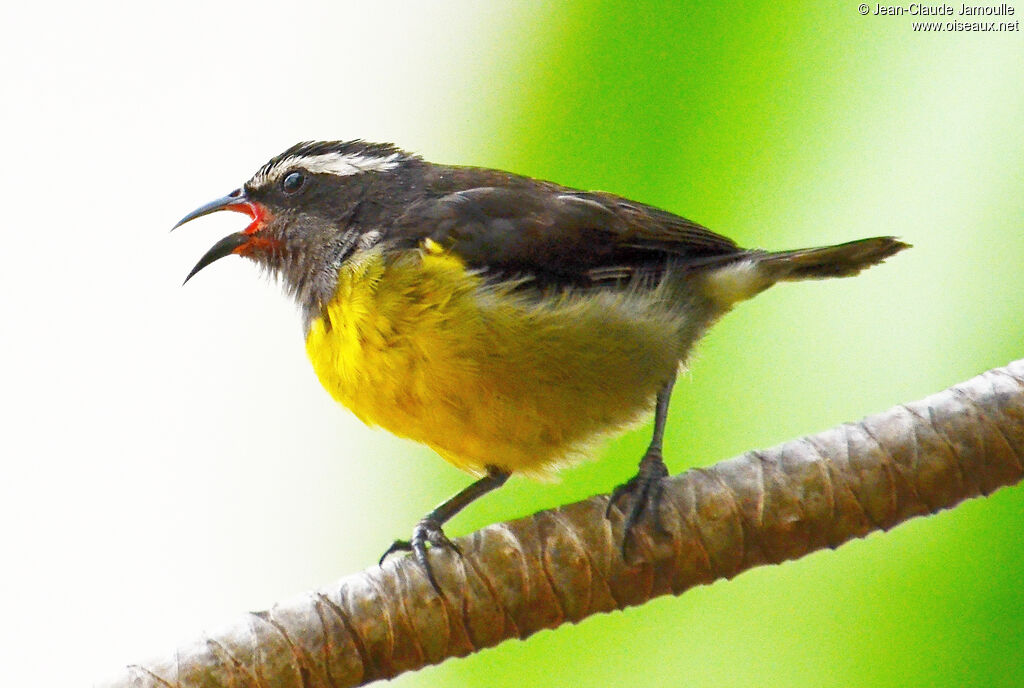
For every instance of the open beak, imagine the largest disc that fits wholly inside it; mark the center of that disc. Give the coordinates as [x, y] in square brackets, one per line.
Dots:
[224, 247]
[237, 202]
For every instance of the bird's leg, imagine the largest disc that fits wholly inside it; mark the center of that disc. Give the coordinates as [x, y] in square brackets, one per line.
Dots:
[428, 530]
[646, 487]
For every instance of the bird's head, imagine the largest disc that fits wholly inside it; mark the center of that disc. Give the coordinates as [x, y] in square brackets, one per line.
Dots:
[310, 208]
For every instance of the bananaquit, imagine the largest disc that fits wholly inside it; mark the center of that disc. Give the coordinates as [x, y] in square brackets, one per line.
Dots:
[506, 322]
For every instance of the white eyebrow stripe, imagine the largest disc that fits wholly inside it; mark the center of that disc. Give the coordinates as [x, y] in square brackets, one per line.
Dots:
[329, 163]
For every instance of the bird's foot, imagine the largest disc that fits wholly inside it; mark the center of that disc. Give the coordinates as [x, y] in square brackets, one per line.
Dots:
[645, 489]
[428, 530]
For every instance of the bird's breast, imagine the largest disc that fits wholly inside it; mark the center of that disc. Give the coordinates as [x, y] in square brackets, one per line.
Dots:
[415, 343]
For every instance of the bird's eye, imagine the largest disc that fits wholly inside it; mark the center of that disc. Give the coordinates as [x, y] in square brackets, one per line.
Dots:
[292, 182]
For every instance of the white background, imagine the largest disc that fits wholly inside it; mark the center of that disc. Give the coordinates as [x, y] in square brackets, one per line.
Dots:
[158, 442]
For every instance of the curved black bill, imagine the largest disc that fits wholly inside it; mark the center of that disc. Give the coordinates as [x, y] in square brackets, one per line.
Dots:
[235, 200]
[224, 247]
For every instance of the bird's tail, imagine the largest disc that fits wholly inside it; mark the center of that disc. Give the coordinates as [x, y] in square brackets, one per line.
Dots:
[751, 272]
[841, 260]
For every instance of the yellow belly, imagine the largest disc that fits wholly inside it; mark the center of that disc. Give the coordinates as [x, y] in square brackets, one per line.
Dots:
[414, 343]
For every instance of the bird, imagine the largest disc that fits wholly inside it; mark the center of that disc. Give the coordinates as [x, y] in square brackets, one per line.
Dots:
[508, 323]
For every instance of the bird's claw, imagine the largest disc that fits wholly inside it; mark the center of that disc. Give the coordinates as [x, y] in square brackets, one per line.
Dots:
[646, 488]
[427, 531]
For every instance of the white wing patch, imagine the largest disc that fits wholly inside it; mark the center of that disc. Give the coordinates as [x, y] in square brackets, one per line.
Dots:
[340, 164]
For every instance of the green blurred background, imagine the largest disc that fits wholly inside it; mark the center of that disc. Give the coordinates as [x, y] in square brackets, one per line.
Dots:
[786, 125]
[171, 462]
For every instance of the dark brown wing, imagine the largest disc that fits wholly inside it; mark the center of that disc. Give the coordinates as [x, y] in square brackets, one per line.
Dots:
[519, 227]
